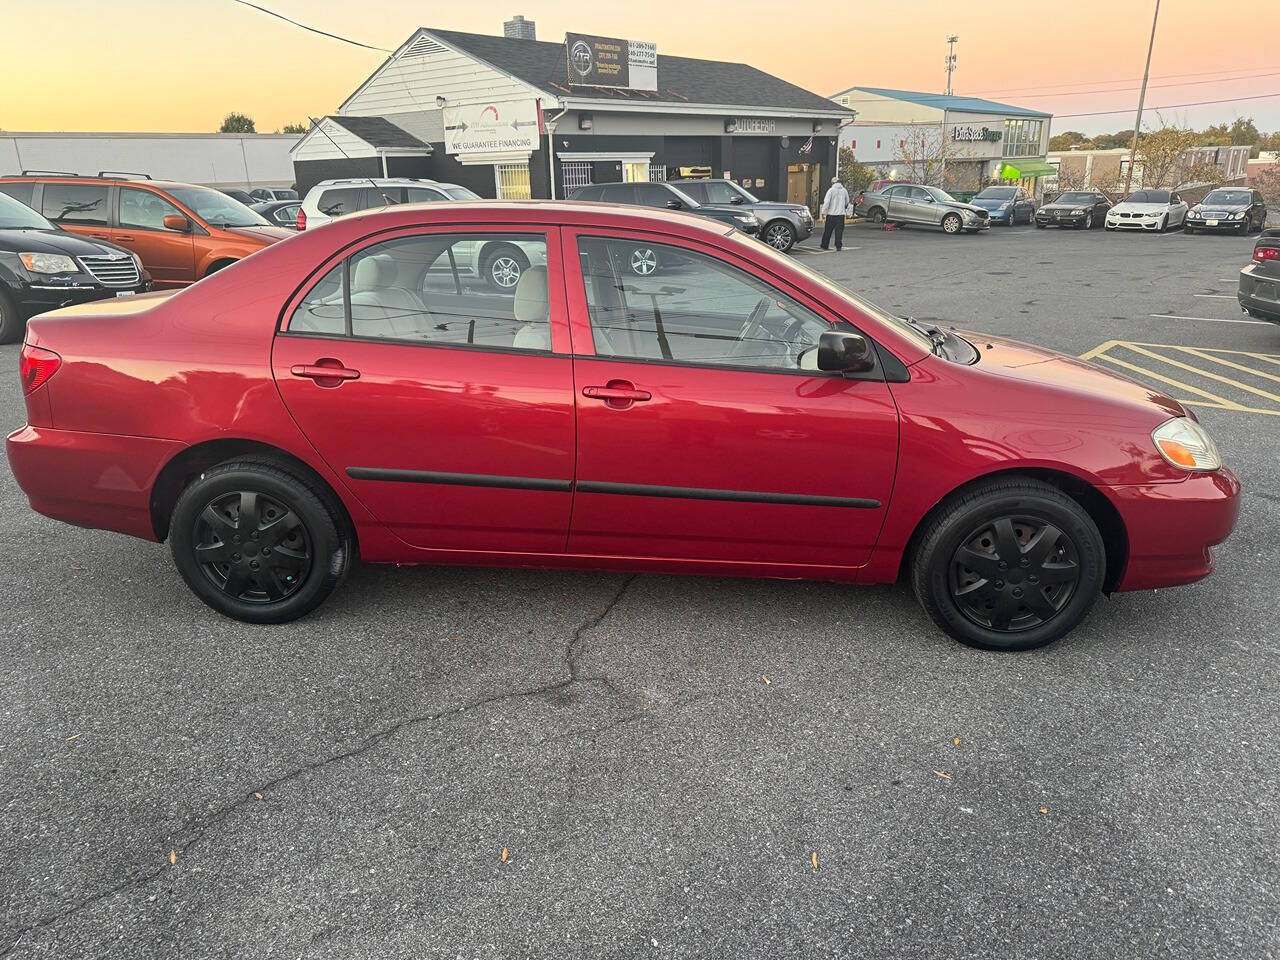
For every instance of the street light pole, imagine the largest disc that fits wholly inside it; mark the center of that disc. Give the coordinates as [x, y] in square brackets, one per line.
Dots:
[1142, 96]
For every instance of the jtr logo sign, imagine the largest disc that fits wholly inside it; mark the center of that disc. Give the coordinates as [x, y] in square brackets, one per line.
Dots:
[971, 134]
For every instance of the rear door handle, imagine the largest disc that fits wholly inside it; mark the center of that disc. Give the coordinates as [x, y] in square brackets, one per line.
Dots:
[618, 394]
[326, 372]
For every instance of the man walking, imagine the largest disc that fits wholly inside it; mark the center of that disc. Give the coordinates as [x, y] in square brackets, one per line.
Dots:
[835, 205]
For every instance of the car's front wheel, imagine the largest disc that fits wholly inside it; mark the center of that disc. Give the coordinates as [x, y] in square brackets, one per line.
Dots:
[11, 326]
[1088, 221]
[780, 235]
[951, 223]
[1009, 565]
[257, 543]
[503, 266]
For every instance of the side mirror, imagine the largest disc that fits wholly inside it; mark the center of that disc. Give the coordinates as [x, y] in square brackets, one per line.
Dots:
[176, 221]
[737, 198]
[674, 204]
[845, 352]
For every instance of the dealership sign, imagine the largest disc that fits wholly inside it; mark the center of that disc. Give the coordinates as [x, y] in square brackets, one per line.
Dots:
[609, 62]
[976, 134]
[502, 126]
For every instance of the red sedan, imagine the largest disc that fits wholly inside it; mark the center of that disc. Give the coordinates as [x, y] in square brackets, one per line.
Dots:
[362, 388]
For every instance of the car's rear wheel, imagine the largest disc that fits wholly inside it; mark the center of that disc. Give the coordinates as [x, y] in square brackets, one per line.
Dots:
[952, 223]
[11, 326]
[1009, 565]
[257, 543]
[503, 266]
[780, 235]
[876, 215]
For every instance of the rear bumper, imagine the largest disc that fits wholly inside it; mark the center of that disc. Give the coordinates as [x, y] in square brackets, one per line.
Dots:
[90, 479]
[1172, 526]
[1259, 293]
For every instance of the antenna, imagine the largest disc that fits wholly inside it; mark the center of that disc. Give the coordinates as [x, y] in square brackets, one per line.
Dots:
[951, 59]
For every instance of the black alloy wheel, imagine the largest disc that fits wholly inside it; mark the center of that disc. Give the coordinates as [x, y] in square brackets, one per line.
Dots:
[258, 542]
[11, 326]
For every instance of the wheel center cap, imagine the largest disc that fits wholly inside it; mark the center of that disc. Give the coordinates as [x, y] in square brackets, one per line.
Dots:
[1015, 576]
[250, 550]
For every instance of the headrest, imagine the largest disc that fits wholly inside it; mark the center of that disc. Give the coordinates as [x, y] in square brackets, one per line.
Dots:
[372, 273]
[531, 304]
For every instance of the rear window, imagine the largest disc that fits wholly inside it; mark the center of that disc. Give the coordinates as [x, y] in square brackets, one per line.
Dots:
[336, 203]
[22, 192]
[75, 203]
[586, 193]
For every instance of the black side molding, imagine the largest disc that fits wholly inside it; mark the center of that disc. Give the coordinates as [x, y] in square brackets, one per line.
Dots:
[459, 479]
[737, 496]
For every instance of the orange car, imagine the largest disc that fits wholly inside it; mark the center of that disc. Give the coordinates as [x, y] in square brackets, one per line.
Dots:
[181, 232]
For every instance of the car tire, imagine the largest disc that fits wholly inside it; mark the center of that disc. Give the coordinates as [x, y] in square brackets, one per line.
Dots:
[276, 567]
[644, 261]
[1088, 220]
[503, 265]
[876, 215]
[1189, 231]
[1011, 607]
[1039, 225]
[1164, 224]
[12, 326]
[780, 235]
[952, 223]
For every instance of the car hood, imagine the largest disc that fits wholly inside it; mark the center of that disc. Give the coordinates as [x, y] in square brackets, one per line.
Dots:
[773, 205]
[1023, 361]
[990, 203]
[957, 205]
[1126, 207]
[1067, 206]
[1220, 208]
[266, 234]
[55, 241]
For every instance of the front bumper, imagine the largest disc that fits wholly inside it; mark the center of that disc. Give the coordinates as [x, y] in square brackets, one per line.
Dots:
[1224, 226]
[1259, 293]
[1134, 223]
[804, 229]
[1065, 220]
[37, 298]
[96, 480]
[1172, 526]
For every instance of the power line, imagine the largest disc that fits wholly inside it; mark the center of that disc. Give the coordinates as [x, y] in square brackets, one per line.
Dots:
[1162, 76]
[1153, 86]
[1169, 106]
[323, 33]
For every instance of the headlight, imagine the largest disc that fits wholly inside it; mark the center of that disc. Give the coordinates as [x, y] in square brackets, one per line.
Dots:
[48, 263]
[1235, 216]
[748, 219]
[1186, 445]
[1005, 206]
[1077, 213]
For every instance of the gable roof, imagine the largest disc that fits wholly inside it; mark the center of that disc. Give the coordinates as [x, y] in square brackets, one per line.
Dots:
[952, 104]
[681, 80]
[380, 132]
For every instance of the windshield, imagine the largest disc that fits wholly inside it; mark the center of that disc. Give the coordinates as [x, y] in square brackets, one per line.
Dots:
[1229, 197]
[940, 195]
[1076, 198]
[460, 193]
[997, 193]
[216, 209]
[1148, 196]
[18, 216]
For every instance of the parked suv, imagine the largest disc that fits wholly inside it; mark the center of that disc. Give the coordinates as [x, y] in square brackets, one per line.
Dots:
[43, 268]
[180, 232]
[267, 194]
[646, 260]
[782, 225]
[329, 199]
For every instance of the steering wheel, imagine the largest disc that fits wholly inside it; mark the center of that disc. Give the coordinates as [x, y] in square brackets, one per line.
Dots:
[752, 329]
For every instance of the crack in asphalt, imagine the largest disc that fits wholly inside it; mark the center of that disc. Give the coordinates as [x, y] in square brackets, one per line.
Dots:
[574, 651]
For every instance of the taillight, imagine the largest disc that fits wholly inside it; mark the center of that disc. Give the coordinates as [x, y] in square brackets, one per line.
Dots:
[302, 220]
[1262, 254]
[35, 366]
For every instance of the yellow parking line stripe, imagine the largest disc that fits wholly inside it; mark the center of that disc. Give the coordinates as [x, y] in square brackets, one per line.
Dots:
[1241, 353]
[1257, 391]
[1227, 363]
[1101, 349]
[1220, 401]
[1214, 406]
[1261, 356]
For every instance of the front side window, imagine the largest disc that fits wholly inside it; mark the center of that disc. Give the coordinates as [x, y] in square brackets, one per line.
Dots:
[75, 203]
[22, 192]
[652, 195]
[696, 190]
[719, 192]
[692, 309]
[464, 289]
[216, 208]
[144, 210]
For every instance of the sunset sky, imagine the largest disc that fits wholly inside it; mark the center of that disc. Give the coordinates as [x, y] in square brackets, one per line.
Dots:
[180, 65]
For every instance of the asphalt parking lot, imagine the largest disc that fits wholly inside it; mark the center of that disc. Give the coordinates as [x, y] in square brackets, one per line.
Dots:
[480, 763]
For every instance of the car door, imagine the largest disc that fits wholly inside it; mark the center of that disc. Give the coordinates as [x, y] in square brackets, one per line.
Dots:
[447, 407]
[167, 253]
[928, 210]
[705, 431]
[1177, 210]
[83, 208]
[1024, 206]
[901, 207]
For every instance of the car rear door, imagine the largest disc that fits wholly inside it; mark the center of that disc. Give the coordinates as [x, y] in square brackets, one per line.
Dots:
[168, 255]
[701, 436]
[447, 407]
[83, 208]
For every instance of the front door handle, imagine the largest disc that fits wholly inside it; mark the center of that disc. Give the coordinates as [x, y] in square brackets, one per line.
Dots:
[618, 394]
[125, 237]
[326, 372]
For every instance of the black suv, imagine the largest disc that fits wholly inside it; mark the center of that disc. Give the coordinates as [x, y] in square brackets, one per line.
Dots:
[782, 225]
[43, 267]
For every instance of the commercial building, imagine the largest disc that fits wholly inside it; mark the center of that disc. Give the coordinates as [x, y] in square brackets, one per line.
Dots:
[515, 118]
[211, 159]
[961, 143]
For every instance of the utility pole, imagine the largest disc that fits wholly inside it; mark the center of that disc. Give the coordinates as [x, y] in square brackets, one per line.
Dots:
[1142, 96]
[951, 59]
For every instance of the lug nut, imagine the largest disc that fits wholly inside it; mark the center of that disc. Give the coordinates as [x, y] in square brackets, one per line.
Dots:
[999, 584]
[1023, 562]
[253, 564]
[235, 557]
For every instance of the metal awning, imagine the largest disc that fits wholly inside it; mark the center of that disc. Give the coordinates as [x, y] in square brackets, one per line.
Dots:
[1026, 168]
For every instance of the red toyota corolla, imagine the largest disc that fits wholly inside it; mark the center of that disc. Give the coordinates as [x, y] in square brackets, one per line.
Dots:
[634, 390]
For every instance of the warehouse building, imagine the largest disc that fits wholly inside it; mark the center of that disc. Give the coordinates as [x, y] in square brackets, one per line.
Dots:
[519, 118]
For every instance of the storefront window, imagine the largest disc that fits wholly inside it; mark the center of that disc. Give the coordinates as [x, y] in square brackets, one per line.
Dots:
[1022, 138]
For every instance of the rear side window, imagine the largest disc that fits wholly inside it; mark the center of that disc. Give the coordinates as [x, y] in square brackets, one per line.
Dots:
[22, 192]
[618, 193]
[586, 193]
[323, 310]
[339, 202]
[75, 203]
[652, 195]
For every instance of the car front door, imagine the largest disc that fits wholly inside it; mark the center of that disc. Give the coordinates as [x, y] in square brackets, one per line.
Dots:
[705, 431]
[167, 253]
[447, 407]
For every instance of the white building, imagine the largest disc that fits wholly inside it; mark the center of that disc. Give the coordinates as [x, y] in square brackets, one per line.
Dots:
[981, 140]
[210, 159]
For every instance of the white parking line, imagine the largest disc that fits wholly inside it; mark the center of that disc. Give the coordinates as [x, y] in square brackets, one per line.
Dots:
[1216, 296]
[1174, 316]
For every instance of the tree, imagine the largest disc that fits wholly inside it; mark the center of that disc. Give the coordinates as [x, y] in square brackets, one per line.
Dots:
[1164, 155]
[855, 176]
[1270, 142]
[1267, 182]
[1109, 141]
[1067, 139]
[295, 128]
[921, 154]
[237, 123]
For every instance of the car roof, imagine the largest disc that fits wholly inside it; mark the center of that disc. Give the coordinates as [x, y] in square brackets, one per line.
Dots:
[132, 181]
[380, 182]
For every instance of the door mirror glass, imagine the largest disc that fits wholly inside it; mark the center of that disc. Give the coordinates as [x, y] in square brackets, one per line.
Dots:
[176, 221]
[674, 204]
[737, 198]
[845, 352]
